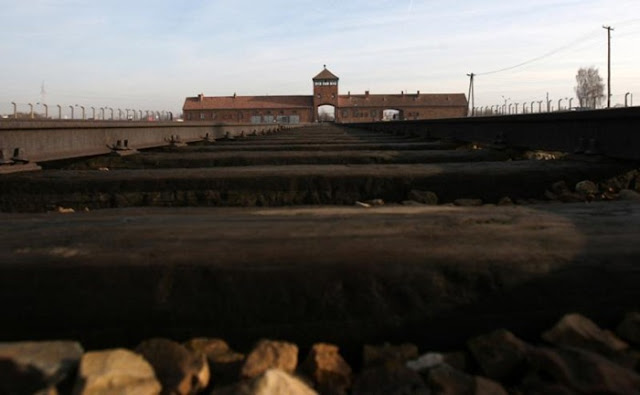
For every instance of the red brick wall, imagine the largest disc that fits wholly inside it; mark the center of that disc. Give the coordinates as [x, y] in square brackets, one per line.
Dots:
[244, 116]
[364, 114]
[306, 115]
[324, 94]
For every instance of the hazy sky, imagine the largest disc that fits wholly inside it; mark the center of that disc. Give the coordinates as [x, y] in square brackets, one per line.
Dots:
[150, 55]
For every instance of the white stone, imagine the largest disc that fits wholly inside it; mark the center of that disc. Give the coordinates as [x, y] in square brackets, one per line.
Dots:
[117, 371]
[426, 361]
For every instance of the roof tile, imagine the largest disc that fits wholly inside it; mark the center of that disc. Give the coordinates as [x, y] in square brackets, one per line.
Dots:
[325, 75]
[403, 100]
[247, 102]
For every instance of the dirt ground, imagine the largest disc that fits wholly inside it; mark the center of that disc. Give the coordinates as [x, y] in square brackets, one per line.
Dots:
[433, 275]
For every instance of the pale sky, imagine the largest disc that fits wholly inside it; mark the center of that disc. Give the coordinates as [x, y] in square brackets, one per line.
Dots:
[150, 55]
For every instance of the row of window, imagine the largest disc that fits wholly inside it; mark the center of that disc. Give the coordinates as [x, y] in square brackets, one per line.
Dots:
[268, 119]
[361, 113]
[227, 116]
[373, 114]
[325, 83]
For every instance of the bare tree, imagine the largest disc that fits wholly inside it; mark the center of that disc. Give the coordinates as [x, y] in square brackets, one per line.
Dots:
[589, 88]
[325, 117]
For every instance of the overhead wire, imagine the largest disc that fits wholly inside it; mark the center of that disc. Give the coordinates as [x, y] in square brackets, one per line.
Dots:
[546, 55]
[579, 40]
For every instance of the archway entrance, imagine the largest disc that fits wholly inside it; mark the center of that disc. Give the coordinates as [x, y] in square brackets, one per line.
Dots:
[391, 114]
[326, 113]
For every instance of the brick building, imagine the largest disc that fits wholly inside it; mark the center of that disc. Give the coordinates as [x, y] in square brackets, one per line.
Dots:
[303, 109]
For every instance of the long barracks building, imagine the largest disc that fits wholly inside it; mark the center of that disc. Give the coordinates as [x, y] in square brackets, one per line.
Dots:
[304, 109]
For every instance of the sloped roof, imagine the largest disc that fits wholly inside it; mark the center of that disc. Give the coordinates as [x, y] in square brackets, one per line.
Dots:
[247, 102]
[404, 100]
[344, 101]
[326, 75]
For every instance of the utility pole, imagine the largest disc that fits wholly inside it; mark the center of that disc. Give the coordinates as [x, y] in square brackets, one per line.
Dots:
[471, 94]
[609, 29]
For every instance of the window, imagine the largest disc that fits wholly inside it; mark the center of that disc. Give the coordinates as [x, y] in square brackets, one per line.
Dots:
[325, 83]
[201, 115]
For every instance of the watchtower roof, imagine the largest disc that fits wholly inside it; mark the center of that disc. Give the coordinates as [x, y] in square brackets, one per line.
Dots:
[325, 75]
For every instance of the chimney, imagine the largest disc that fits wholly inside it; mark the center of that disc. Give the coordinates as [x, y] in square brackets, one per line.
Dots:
[401, 93]
[418, 94]
[201, 97]
[234, 95]
[349, 94]
[366, 93]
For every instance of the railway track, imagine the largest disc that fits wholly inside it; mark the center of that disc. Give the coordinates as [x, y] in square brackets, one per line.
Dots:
[313, 165]
[316, 233]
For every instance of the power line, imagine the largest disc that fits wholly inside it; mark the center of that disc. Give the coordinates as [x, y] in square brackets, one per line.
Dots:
[546, 55]
[631, 33]
[628, 22]
[564, 47]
